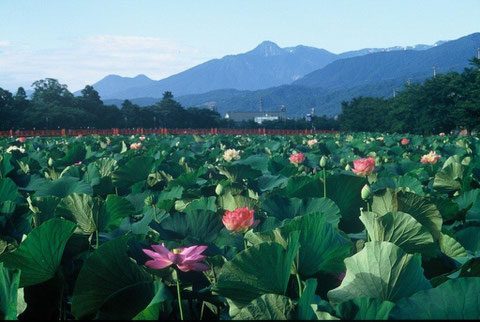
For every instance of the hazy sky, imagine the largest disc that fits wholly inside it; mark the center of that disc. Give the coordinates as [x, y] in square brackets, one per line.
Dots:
[79, 42]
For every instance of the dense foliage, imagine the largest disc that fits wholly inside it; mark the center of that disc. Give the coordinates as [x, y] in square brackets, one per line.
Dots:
[440, 104]
[53, 106]
[397, 238]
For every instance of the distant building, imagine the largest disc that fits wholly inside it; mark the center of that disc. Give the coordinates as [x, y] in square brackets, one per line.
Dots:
[257, 116]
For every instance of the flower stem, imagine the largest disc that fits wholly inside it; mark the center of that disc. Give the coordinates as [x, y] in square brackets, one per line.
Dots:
[299, 285]
[324, 183]
[155, 213]
[201, 311]
[245, 243]
[179, 299]
[367, 237]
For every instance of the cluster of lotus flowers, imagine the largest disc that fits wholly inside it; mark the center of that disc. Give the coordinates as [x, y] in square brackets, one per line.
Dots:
[136, 146]
[231, 154]
[189, 258]
[431, 158]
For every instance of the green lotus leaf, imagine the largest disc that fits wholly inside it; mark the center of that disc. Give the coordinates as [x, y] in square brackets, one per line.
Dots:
[380, 270]
[257, 161]
[322, 247]
[39, 255]
[258, 270]
[287, 208]
[75, 153]
[364, 308]
[9, 282]
[344, 190]
[157, 304]
[267, 307]
[43, 208]
[424, 211]
[469, 237]
[269, 182]
[450, 247]
[455, 299]
[116, 209]
[5, 165]
[8, 191]
[239, 172]
[401, 229]
[81, 209]
[111, 284]
[449, 179]
[63, 187]
[231, 202]
[134, 171]
[304, 310]
[469, 202]
[406, 183]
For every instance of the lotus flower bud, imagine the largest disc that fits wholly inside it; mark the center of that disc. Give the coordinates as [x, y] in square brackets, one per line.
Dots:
[181, 161]
[219, 189]
[50, 162]
[323, 161]
[347, 167]
[366, 192]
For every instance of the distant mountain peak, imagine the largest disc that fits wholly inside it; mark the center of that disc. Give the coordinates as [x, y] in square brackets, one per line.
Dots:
[142, 76]
[267, 48]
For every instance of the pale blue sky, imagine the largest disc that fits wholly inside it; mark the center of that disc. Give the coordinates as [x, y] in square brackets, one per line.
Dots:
[81, 41]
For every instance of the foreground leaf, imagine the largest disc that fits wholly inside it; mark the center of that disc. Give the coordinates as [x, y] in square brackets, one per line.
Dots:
[456, 299]
[39, 255]
[109, 274]
[380, 270]
[267, 307]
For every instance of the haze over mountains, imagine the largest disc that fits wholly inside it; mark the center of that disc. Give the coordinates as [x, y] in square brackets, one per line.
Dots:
[298, 77]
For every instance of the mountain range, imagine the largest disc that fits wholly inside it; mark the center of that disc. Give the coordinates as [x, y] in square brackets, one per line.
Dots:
[298, 77]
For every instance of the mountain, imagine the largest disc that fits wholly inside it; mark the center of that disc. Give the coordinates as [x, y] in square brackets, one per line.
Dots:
[112, 84]
[376, 74]
[265, 66]
[381, 66]
[367, 51]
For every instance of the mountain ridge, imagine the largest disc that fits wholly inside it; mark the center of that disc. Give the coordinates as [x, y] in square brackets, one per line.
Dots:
[266, 65]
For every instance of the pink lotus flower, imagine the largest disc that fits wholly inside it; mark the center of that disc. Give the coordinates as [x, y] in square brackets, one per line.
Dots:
[431, 158]
[187, 259]
[364, 167]
[442, 134]
[464, 132]
[297, 158]
[21, 139]
[405, 141]
[78, 163]
[239, 220]
[141, 138]
[135, 146]
[80, 135]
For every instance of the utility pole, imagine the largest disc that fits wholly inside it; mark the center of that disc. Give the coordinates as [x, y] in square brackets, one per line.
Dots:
[394, 92]
[434, 71]
[261, 105]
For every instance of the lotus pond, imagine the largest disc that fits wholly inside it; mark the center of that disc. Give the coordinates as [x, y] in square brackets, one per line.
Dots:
[362, 226]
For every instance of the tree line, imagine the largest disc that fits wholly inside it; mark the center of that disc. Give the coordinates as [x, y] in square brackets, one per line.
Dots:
[52, 106]
[441, 104]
